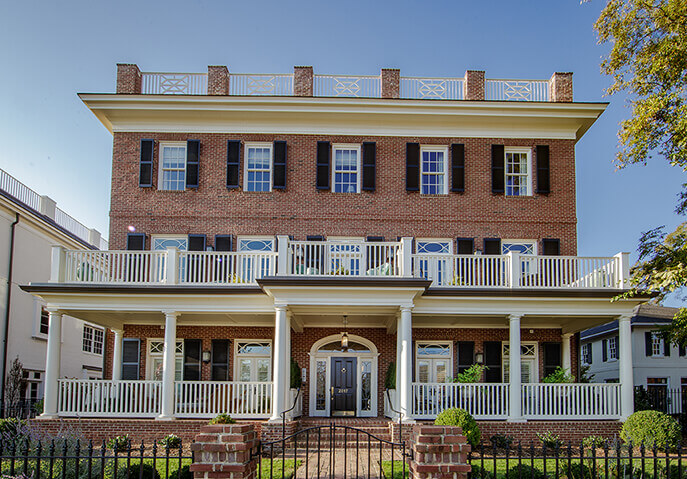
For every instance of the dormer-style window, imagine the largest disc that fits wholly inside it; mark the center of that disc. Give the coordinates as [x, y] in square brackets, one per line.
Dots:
[258, 172]
[172, 175]
[433, 168]
[346, 171]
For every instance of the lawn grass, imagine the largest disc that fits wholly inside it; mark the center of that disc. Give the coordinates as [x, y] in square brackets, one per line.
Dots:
[398, 470]
[276, 468]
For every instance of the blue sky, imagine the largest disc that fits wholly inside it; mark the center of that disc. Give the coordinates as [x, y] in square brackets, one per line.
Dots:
[52, 50]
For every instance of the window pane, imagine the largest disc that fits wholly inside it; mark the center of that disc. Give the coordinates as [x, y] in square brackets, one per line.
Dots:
[366, 386]
[263, 370]
[244, 370]
[321, 386]
[254, 348]
[441, 368]
[423, 371]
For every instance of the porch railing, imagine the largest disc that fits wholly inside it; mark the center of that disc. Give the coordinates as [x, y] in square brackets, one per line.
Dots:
[104, 398]
[313, 258]
[571, 401]
[569, 272]
[468, 271]
[210, 267]
[108, 267]
[482, 400]
[210, 398]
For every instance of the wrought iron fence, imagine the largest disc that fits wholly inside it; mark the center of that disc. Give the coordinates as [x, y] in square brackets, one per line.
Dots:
[24, 409]
[668, 400]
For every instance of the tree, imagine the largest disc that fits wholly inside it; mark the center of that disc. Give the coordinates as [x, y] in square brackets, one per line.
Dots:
[648, 61]
[14, 385]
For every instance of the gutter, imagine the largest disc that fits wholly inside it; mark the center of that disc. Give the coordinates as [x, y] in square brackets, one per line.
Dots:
[6, 324]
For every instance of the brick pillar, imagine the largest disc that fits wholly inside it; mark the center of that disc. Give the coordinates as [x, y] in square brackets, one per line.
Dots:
[391, 83]
[128, 79]
[224, 451]
[561, 87]
[302, 81]
[473, 86]
[439, 452]
[218, 80]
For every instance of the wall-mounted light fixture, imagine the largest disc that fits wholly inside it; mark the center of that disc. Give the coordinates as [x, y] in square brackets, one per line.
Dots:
[206, 356]
[344, 335]
[479, 358]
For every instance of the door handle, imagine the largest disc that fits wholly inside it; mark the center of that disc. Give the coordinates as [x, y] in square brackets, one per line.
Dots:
[332, 391]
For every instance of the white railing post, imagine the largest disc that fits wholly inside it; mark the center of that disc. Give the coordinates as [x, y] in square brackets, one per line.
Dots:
[47, 206]
[282, 255]
[52, 364]
[514, 370]
[169, 365]
[407, 256]
[515, 269]
[626, 375]
[172, 265]
[57, 266]
[94, 237]
[623, 262]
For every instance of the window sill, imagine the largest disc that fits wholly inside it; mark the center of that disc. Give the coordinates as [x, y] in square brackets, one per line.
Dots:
[40, 337]
[442, 195]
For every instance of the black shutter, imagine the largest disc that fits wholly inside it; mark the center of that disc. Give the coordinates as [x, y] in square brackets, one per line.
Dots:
[374, 239]
[145, 172]
[666, 347]
[492, 359]
[647, 344]
[465, 245]
[196, 242]
[617, 347]
[492, 246]
[681, 350]
[279, 165]
[591, 351]
[498, 156]
[369, 165]
[604, 350]
[543, 180]
[131, 357]
[192, 163]
[324, 152]
[233, 163]
[220, 360]
[314, 238]
[135, 241]
[552, 246]
[192, 348]
[466, 355]
[223, 243]
[412, 167]
[552, 357]
[458, 167]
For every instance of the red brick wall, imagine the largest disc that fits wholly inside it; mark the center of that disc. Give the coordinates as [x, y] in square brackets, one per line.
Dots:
[302, 210]
[567, 430]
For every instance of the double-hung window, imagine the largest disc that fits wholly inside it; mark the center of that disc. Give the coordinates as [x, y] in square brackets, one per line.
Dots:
[172, 175]
[657, 345]
[518, 172]
[258, 169]
[92, 339]
[587, 353]
[346, 171]
[612, 348]
[433, 170]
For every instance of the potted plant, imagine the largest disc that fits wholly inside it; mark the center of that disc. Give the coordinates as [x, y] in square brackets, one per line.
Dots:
[560, 376]
[473, 374]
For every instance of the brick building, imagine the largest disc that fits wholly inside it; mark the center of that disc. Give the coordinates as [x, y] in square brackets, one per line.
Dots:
[350, 224]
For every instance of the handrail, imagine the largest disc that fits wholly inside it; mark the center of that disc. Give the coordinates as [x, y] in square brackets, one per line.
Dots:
[400, 416]
[283, 413]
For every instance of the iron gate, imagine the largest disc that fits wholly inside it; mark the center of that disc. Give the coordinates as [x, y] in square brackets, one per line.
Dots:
[332, 451]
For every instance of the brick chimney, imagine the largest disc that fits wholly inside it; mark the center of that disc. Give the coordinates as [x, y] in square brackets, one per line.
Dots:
[128, 79]
[391, 83]
[218, 80]
[561, 87]
[302, 81]
[473, 86]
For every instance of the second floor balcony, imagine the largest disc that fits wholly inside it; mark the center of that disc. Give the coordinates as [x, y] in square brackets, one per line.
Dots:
[343, 259]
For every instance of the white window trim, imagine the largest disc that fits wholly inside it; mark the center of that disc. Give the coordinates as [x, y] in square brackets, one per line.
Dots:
[237, 356]
[582, 355]
[608, 349]
[358, 170]
[517, 149]
[167, 236]
[150, 374]
[435, 240]
[535, 359]
[438, 148]
[534, 242]
[94, 328]
[254, 238]
[160, 171]
[418, 358]
[662, 343]
[246, 147]
[38, 305]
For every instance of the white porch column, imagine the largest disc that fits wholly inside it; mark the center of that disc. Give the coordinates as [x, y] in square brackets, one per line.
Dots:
[626, 374]
[52, 364]
[281, 368]
[169, 365]
[514, 368]
[566, 361]
[405, 376]
[117, 354]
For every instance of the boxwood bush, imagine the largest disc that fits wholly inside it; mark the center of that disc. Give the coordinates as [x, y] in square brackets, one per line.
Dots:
[651, 427]
[462, 418]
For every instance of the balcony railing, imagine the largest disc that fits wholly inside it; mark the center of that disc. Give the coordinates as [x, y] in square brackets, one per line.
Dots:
[261, 84]
[339, 258]
[432, 88]
[517, 90]
[482, 400]
[174, 83]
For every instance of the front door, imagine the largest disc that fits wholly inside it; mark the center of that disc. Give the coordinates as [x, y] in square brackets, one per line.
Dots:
[343, 386]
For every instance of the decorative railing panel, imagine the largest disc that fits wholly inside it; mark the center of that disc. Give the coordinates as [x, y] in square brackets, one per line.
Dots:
[482, 400]
[314, 258]
[210, 398]
[347, 85]
[432, 88]
[102, 398]
[174, 83]
[209, 267]
[517, 90]
[248, 84]
[463, 271]
[571, 401]
[107, 267]
[569, 272]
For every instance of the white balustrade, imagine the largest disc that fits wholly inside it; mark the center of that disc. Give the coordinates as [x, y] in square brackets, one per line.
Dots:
[13, 187]
[214, 267]
[102, 398]
[517, 90]
[260, 84]
[174, 83]
[365, 86]
[114, 267]
[210, 398]
[432, 88]
[313, 258]
[571, 401]
[569, 272]
[71, 224]
[463, 271]
[482, 400]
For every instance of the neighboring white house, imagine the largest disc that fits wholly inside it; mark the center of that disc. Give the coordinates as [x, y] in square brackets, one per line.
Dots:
[30, 224]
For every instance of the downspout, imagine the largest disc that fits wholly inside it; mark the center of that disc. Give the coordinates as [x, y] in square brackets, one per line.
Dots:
[7, 310]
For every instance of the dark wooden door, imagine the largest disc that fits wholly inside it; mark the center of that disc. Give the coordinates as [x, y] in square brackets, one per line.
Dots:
[343, 386]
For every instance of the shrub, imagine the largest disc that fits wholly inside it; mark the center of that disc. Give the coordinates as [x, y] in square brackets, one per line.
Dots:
[550, 440]
[171, 441]
[501, 441]
[119, 443]
[577, 470]
[38, 407]
[594, 442]
[520, 471]
[463, 419]
[12, 429]
[140, 470]
[559, 375]
[479, 473]
[296, 379]
[651, 427]
[183, 473]
[223, 418]
[471, 375]
[390, 379]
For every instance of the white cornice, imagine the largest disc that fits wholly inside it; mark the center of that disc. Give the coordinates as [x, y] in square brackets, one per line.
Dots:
[352, 116]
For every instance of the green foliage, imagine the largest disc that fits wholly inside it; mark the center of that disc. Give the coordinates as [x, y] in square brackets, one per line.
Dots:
[119, 443]
[577, 470]
[462, 418]
[642, 399]
[390, 378]
[501, 441]
[479, 473]
[559, 375]
[473, 374]
[651, 427]
[222, 418]
[139, 470]
[585, 375]
[520, 471]
[550, 440]
[594, 442]
[38, 407]
[183, 473]
[296, 379]
[171, 441]
[12, 429]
